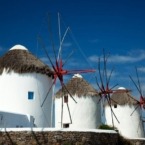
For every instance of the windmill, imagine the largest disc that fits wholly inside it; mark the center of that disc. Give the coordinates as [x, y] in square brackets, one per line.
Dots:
[85, 114]
[59, 63]
[141, 102]
[124, 107]
[105, 91]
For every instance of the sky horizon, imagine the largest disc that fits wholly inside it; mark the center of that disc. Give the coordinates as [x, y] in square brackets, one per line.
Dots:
[116, 26]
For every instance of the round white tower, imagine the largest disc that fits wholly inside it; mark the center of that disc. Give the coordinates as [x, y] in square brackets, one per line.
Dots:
[124, 107]
[24, 85]
[85, 112]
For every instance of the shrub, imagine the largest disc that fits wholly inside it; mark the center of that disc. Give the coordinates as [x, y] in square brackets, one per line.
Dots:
[107, 127]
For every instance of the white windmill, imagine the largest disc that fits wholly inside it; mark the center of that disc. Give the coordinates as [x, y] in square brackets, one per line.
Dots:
[123, 106]
[86, 113]
[24, 84]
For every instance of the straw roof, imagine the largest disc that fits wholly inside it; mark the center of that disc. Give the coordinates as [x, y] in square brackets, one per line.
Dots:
[22, 61]
[77, 86]
[121, 97]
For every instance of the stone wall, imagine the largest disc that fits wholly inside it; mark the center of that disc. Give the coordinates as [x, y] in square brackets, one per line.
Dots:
[58, 138]
[137, 141]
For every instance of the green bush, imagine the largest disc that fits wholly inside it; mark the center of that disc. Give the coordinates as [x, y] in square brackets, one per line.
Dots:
[107, 127]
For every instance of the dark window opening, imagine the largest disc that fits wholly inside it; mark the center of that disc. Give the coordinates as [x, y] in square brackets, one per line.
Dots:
[30, 95]
[66, 125]
[115, 105]
[66, 99]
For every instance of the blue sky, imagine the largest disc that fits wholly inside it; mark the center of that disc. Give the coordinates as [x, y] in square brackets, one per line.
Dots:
[118, 26]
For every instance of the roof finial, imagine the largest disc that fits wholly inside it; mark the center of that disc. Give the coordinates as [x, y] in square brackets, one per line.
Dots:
[18, 47]
[77, 76]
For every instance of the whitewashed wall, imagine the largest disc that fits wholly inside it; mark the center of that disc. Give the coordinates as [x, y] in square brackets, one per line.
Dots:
[86, 113]
[14, 95]
[129, 126]
[14, 120]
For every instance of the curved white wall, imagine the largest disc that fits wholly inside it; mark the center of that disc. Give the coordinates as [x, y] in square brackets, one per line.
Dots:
[129, 126]
[14, 95]
[86, 113]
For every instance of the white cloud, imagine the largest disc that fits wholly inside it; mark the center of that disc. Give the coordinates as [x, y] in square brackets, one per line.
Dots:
[109, 72]
[112, 80]
[93, 58]
[134, 56]
[126, 59]
[141, 69]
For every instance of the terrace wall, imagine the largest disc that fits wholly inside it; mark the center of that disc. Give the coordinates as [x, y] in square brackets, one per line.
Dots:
[61, 138]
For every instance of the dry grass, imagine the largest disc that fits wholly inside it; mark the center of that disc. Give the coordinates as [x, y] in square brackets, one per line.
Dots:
[22, 61]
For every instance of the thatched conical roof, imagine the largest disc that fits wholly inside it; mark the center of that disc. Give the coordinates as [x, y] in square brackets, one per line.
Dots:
[77, 86]
[20, 60]
[122, 97]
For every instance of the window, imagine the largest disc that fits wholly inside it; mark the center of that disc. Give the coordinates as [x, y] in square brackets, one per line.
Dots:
[66, 125]
[30, 95]
[66, 99]
[1, 118]
[115, 105]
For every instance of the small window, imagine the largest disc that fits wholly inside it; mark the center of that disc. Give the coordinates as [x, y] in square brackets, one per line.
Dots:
[30, 95]
[115, 105]
[66, 125]
[1, 118]
[66, 99]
